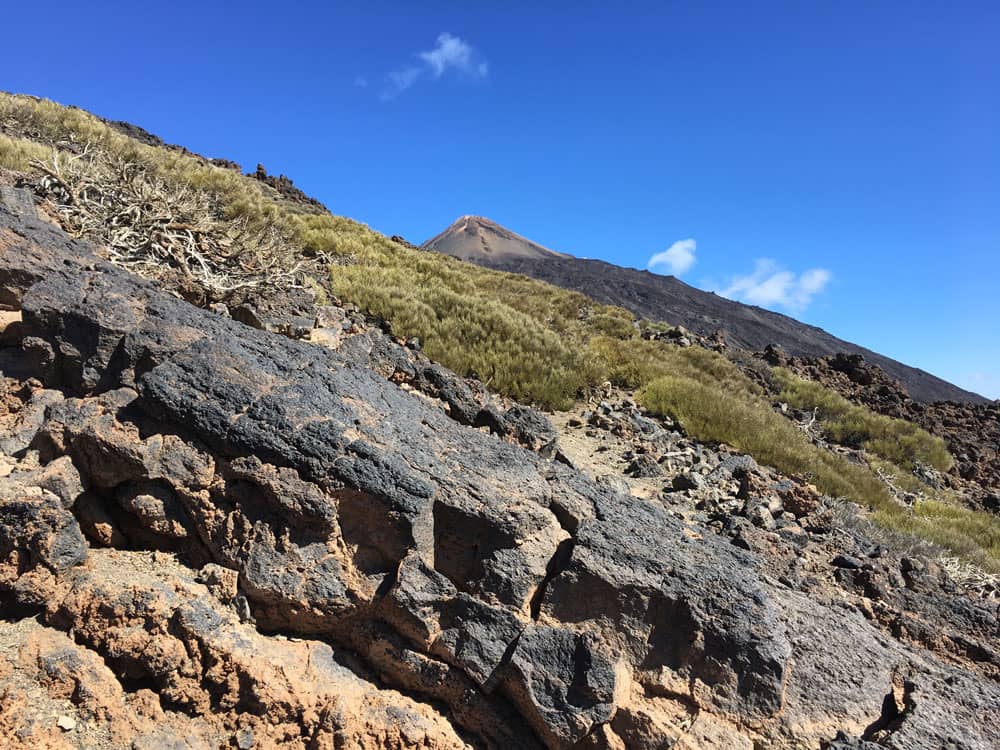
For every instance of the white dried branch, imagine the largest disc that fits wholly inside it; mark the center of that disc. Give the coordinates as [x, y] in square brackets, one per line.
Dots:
[152, 227]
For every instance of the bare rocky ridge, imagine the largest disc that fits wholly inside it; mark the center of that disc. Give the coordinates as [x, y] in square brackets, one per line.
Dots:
[214, 535]
[666, 298]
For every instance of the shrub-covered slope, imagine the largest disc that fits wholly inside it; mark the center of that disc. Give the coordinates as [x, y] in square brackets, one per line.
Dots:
[667, 298]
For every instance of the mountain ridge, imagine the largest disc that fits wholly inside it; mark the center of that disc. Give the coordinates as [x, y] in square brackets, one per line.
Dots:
[670, 300]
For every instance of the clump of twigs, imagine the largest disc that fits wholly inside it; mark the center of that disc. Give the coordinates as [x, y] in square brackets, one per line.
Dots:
[972, 579]
[169, 232]
[901, 496]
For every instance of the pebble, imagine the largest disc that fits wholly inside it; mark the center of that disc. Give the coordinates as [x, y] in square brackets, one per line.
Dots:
[66, 723]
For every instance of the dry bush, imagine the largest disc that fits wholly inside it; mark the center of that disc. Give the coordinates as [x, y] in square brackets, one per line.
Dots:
[151, 226]
[206, 230]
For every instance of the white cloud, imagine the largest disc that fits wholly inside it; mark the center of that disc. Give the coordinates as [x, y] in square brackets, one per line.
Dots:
[399, 81]
[771, 286]
[361, 82]
[449, 54]
[676, 259]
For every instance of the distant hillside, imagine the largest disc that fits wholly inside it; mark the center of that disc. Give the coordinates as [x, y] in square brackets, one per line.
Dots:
[666, 298]
[475, 237]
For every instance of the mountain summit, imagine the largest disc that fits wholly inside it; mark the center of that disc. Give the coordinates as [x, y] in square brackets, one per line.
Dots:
[668, 299]
[480, 240]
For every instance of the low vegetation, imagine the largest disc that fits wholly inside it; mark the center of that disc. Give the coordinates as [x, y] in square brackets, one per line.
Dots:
[971, 534]
[18, 154]
[749, 423]
[895, 440]
[525, 338]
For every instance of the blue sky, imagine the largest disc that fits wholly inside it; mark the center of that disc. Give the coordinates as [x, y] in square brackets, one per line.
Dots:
[837, 161]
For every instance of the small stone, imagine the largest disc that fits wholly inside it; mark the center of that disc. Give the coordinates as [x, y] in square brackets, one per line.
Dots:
[66, 723]
[688, 481]
[760, 516]
[244, 738]
[741, 542]
[847, 561]
[644, 466]
[794, 535]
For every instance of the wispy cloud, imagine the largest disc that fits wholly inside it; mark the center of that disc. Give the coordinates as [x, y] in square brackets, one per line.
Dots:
[361, 82]
[399, 81]
[676, 259]
[450, 55]
[769, 285]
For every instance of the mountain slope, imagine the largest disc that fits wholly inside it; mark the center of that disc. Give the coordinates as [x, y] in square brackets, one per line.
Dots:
[668, 299]
[475, 237]
[287, 549]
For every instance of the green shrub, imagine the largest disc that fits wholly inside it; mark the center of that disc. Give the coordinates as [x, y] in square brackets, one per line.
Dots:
[749, 424]
[970, 534]
[896, 440]
[17, 153]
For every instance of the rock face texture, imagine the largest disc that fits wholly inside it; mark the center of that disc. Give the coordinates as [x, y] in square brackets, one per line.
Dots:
[212, 535]
[668, 299]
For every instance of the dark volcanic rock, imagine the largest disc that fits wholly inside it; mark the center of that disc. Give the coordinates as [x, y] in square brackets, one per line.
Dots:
[285, 187]
[509, 596]
[711, 623]
[562, 682]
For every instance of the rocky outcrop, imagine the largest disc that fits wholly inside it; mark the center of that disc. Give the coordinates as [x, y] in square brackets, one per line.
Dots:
[286, 188]
[258, 541]
[807, 542]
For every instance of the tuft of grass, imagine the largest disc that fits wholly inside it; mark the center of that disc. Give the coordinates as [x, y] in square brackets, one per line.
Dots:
[522, 344]
[973, 535]
[632, 363]
[18, 153]
[895, 440]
